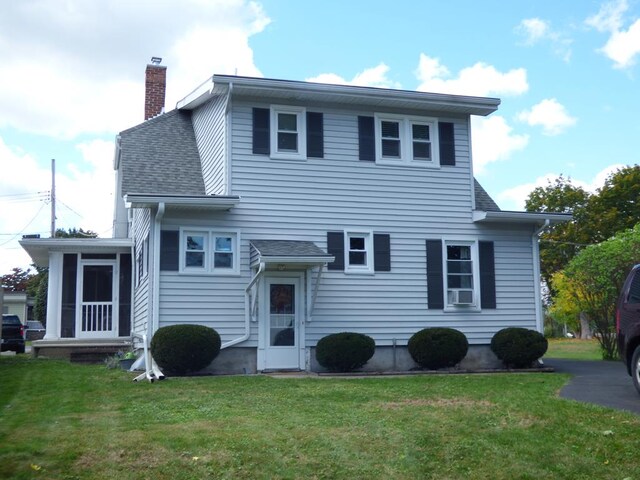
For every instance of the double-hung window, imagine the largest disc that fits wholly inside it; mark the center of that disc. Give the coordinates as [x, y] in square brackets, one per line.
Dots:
[358, 252]
[461, 274]
[405, 140]
[209, 252]
[288, 133]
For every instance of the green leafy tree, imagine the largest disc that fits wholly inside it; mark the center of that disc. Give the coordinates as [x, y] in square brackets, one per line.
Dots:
[75, 233]
[615, 207]
[596, 276]
[559, 243]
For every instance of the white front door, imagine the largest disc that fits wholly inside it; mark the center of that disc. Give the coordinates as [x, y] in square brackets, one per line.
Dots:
[97, 315]
[280, 323]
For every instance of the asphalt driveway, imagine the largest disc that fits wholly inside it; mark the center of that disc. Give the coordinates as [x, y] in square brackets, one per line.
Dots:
[599, 382]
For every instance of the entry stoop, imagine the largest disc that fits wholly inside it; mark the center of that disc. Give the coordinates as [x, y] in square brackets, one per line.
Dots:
[79, 350]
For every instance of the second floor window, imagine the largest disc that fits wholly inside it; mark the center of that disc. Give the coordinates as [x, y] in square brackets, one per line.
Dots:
[288, 133]
[405, 140]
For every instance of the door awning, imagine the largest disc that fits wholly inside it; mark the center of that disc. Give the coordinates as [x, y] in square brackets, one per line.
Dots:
[288, 252]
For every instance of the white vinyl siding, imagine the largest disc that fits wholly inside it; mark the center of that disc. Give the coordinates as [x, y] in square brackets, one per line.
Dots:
[209, 125]
[141, 292]
[304, 200]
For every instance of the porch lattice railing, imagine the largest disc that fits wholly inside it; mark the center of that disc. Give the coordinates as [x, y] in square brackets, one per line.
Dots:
[97, 317]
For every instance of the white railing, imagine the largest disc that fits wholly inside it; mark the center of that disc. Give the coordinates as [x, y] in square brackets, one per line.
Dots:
[97, 317]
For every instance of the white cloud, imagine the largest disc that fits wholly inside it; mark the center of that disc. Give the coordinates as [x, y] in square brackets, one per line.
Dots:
[78, 67]
[514, 198]
[480, 79]
[493, 140]
[370, 77]
[84, 197]
[536, 30]
[623, 46]
[550, 114]
[533, 29]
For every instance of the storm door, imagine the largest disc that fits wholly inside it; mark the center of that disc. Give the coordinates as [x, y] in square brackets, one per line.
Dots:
[281, 323]
[97, 313]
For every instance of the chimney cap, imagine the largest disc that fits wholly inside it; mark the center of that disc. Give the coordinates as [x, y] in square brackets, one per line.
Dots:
[156, 60]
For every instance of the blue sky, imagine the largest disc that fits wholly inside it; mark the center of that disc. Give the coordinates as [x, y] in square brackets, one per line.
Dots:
[72, 76]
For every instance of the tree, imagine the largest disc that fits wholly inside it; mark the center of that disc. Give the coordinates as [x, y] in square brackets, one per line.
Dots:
[596, 276]
[559, 243]
[75, 233]
[616, 205]
[18, 280]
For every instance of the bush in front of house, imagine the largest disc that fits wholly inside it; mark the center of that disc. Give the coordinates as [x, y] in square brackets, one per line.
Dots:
[344, 352]
[180, 349]
[518, 347]
[438, 347]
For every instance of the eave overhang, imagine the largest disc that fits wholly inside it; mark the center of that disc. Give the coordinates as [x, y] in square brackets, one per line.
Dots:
[182, 202]
[305, 92]
[531, 218]
[40, 248]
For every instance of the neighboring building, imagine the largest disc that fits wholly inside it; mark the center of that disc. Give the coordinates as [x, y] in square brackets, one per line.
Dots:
[18, 303]
[278, 212]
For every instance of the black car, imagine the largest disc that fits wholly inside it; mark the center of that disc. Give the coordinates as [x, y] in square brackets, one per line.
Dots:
[12, 334]
[35, 330]
[628, 325]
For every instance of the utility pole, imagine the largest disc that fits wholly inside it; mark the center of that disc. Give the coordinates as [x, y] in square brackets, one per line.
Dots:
[53, 197]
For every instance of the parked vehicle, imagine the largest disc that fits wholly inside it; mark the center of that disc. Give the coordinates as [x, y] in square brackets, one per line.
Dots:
[12, 334]
[35, 330]
[628, 325]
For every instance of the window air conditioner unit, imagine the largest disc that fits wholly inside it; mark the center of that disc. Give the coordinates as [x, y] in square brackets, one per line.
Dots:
[461, 297]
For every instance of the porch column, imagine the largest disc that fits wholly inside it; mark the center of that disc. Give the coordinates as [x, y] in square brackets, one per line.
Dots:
[54, 296]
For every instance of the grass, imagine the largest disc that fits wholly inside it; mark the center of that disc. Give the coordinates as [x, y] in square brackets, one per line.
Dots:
[67, 421]
[574, 349]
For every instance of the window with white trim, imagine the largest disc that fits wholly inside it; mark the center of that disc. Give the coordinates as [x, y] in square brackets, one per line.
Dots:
[209, 252]
[461, 274]
[406, 140]
[358, 251]
[288, 133]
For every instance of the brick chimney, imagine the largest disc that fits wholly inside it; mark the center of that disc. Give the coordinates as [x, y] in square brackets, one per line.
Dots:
[155, 86]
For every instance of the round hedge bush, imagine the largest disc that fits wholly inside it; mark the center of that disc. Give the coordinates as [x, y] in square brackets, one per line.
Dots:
[346, 351]
[180, 349]
[435, 348]
[518, 347]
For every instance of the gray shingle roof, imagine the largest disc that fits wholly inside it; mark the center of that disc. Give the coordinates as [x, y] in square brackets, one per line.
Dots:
[160, 156]
[483, 201]
[287, 248]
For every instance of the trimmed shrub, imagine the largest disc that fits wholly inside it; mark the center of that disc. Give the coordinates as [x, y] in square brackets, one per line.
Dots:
[346, 351]
[180, 349]
[518, 347]
[435, 348]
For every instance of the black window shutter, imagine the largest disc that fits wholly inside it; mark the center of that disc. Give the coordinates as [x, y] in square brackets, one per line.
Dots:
[487, 275]
[335, 247]
[435, 291]
[381, 252]
[367, 139]
[169, 250]
[447, 143]
[261, 135]
[315, 135]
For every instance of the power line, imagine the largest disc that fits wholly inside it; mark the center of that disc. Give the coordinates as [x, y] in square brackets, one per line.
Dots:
[25, 227]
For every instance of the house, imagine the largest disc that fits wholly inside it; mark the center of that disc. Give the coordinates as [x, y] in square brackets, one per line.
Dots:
[278, 212]
[18, 303]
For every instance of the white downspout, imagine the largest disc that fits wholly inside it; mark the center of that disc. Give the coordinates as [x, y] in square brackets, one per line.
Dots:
[155, 293]
[536, 276]
[247, 309]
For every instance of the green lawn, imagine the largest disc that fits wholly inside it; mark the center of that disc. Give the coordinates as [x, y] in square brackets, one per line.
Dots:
[572, 348]
[64, 421]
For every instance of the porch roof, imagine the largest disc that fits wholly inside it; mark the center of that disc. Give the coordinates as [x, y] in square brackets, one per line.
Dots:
[300, 252]
[39, 248]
